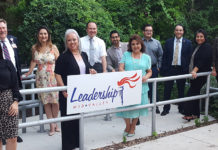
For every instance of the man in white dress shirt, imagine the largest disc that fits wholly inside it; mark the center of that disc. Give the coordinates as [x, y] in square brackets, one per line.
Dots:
[95, 48]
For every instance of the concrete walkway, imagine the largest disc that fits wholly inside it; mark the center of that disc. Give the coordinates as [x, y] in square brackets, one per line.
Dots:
[204, 138]
[100, 133]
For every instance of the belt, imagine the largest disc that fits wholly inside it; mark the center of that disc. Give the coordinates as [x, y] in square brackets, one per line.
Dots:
[176, 66]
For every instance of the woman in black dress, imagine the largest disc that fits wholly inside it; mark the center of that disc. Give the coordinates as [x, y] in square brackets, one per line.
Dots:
[9, 97]
[71, 62]
[201, 61]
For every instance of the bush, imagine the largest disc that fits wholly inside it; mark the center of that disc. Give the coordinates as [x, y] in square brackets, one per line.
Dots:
[58, 16]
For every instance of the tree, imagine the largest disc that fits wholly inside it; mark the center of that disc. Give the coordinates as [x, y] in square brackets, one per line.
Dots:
[58, 16]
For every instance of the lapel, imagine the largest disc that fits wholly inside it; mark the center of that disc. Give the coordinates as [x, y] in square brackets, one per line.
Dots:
[73, 61]
[183, 46]
[12, 42]
[172, 47]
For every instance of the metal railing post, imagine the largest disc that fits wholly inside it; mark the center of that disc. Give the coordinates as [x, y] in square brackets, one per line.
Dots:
[33, 98]
[207, 92]
[108, 117]
[154, 97]
[41, 129]
[24, 110]
[24, 118]
[81, 132]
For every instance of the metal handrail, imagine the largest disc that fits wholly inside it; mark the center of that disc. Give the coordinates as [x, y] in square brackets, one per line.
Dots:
[98, 113]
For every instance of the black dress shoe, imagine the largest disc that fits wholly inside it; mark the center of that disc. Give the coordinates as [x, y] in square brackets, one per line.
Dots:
[138, 122]
[19, 139]
[157, 110]
[164, 113]
[3, 141]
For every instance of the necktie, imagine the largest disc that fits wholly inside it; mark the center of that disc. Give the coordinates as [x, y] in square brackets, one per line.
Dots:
[176, 53]
[91, 52]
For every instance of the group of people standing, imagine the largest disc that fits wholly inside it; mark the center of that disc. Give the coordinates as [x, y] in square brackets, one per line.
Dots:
[88, 55]
[177, 58]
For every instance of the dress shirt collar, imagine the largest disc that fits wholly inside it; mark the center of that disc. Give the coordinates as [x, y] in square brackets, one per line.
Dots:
[92, 37]
[144, 39]
[117, 47]
[5, 40]
[180, 40]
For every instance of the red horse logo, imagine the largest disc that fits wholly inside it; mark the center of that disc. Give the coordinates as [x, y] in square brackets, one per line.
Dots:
[128, 80]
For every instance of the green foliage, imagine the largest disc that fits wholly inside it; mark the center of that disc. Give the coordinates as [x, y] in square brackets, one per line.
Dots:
[154, 134]
[197, 122]
[130, 16]
[58, 16]
[205, 119]
[124, 139]
[213, 103]
[126, 16]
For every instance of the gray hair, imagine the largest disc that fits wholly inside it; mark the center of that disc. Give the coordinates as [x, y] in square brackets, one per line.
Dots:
[69, 31]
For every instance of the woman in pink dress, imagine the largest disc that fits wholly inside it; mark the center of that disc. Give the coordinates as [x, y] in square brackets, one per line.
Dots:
[44, 55]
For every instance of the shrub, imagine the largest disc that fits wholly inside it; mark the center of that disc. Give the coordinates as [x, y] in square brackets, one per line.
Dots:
[58, 16]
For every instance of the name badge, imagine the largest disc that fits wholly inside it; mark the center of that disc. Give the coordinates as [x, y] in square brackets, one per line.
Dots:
[14, 45]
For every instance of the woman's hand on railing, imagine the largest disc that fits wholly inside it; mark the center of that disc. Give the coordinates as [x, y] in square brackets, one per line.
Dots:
[144, 79]
[194, 74]
[65, 94]
[26, 74]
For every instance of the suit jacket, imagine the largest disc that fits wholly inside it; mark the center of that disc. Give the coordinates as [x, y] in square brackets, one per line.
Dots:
[203, 58]
[167, 59]
[66, 64]
[112, 60]
[215, 53]
[13, 40]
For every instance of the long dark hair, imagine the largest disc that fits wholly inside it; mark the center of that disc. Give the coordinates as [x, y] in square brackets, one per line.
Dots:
[38, 44]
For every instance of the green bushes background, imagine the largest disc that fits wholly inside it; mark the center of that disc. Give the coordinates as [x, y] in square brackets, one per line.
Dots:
[126, 16]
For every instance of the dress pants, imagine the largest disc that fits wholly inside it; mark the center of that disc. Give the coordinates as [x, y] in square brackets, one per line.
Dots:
[98, 67]
[69, 129]
[192, 107]
[168, 86]
[154, 75]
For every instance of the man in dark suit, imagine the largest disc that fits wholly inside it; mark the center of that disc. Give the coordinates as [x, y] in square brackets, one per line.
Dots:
[176, 58]
[10, 42]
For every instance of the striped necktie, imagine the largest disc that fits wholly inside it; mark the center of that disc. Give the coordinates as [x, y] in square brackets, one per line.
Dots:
[5, 51]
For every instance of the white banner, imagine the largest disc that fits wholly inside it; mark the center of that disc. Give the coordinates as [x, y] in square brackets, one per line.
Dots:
[103, 91]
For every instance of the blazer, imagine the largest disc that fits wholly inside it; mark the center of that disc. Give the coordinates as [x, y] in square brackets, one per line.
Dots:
[13, 40]
[112, 60]
[167, 59]
[215, 53]
[66, 65]
[203, 58]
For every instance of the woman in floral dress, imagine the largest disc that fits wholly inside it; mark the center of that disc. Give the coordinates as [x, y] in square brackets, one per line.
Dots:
[44, 55]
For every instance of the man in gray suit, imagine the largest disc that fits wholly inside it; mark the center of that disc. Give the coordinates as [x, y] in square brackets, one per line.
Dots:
[115, 52]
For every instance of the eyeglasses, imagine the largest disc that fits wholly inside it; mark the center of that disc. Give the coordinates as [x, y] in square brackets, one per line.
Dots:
[115, 37]
[148, 30]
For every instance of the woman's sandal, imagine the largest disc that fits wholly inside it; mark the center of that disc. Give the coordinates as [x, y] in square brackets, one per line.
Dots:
[51, 133]
[57, 129]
